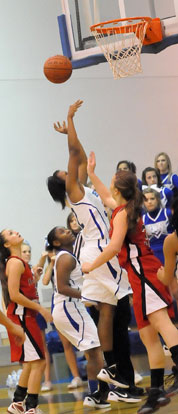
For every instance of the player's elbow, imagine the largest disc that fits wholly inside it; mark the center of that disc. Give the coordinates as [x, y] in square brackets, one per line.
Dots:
[76, 155]
[14, 296]
[74, 152]
[114, 250]
[62, 289]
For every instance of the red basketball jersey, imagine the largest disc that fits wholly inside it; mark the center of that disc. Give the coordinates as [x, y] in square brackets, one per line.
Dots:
[135, 244]
[27, 288]
[142, 266]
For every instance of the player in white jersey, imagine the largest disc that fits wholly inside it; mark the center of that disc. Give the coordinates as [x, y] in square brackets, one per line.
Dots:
[70, 315]
[110, 282]
[67, 302]
[103, 287]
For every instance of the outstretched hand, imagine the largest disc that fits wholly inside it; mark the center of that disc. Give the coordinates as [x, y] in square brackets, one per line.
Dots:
[91, 163]
[73, 108]
[61, 128]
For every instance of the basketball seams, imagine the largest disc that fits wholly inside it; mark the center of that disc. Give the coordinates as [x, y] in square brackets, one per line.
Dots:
[57, 69]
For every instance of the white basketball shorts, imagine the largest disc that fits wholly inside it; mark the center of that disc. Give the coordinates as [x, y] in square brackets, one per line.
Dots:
[74, 322]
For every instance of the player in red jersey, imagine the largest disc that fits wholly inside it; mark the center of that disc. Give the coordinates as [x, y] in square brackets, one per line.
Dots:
[151, 299]
[20, 297]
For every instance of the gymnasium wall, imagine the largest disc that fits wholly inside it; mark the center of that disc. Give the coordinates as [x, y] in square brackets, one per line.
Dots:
[130, 119]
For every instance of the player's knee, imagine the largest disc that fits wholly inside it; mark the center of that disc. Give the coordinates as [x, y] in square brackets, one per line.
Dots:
[94, 353]
[42, 364]
[38, 365]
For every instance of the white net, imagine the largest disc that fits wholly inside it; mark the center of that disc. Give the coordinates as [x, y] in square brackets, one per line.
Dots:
[121, 45]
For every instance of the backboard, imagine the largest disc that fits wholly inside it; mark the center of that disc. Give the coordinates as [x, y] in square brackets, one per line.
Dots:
[78, 15]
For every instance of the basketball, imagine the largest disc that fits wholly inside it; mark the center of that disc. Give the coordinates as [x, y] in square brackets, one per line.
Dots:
[58, 69]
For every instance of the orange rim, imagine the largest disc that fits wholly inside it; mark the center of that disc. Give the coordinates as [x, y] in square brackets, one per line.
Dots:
[121, 29]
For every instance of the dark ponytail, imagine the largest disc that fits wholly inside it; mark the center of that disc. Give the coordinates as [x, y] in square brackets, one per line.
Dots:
[4, 254]
[57, 189]
[126, 183]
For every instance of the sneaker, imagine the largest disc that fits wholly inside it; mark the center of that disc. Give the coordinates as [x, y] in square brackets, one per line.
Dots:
[173, 389]
[156, 398]
[137, 377]
[136, 391]
[16, 408]
[46, 386]
[111, 376]
[94, 400]
[120, 394]
[75, 383]
[35, 410]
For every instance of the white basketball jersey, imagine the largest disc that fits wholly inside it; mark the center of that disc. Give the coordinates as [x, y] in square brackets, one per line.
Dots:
[75, 280]
[91, 216]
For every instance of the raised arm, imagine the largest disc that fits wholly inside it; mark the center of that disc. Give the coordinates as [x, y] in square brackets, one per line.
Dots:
[38, 268]
[100, 188]
[64, 129]
[49, 269]
[77, 158]
[42, 259]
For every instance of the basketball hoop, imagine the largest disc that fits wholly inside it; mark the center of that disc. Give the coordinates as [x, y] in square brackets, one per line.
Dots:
[121, 42]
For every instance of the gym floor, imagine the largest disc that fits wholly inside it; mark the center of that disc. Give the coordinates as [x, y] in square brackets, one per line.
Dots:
[61, 401]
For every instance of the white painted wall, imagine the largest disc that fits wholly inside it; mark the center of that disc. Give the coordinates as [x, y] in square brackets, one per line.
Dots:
[131, 118]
